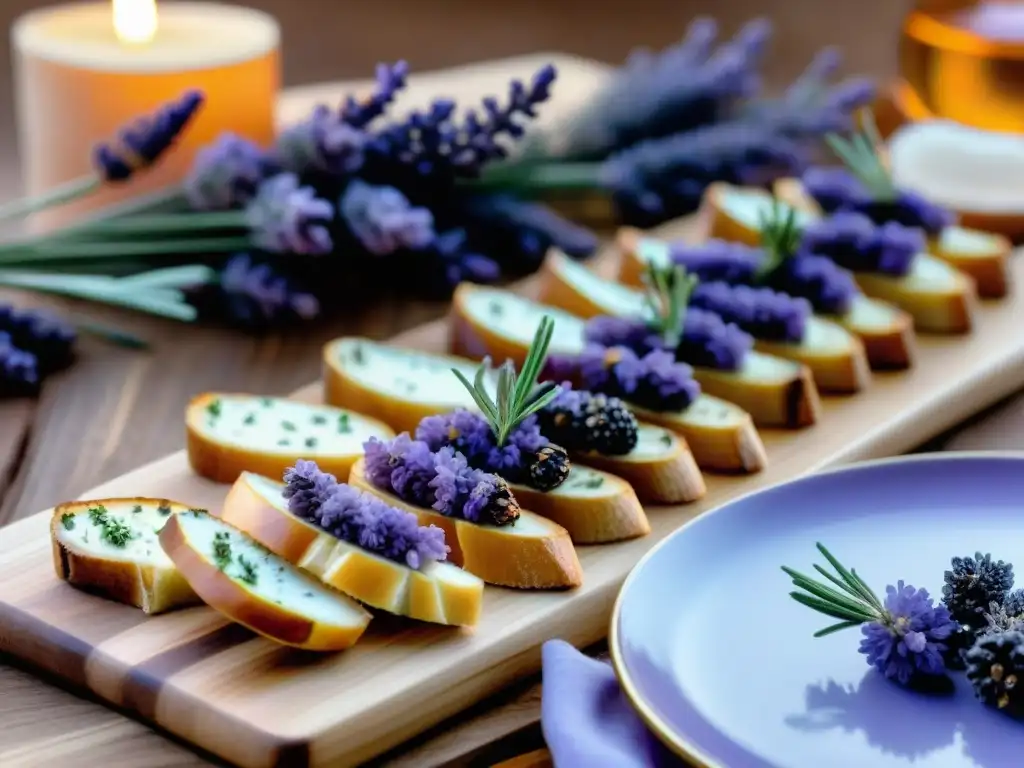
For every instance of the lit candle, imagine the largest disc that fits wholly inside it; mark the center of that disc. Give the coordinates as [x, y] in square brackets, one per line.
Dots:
[82, 71]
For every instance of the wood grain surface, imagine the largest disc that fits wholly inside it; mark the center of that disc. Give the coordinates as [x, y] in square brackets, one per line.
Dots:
[258, 704]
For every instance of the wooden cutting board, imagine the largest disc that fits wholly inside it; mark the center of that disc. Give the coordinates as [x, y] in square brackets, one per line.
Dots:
[258, 704]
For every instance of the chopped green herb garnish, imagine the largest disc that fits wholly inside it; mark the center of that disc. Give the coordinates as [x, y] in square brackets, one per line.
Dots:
[68, 521]
[307, 594]
[319, 419]
[164, 508]
[288, 426]
[593, 481]
[221, 549]
[214, 408]
[197, 511]
[284, 443]
[357, 355]
[311, 442]
[496, 309]
[117, 532]
[266, 402]
[344, 426]
[249, 420]
[666, 438]
[136, 509]
[98, 514]
[248, 570]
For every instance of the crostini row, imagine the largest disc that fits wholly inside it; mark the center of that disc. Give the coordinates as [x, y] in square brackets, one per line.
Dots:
[426, 477]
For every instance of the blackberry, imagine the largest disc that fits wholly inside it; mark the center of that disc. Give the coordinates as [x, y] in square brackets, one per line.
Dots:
[548, 468]
[995, 668]
[956, 645]
[972, 585]
[1014, 603]
[502, 508]
[588, 421]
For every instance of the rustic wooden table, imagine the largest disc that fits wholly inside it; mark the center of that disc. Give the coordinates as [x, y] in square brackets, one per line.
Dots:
[116, 409]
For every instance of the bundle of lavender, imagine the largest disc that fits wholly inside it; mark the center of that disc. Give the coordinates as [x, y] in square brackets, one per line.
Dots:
[343, 199]
[670, 122]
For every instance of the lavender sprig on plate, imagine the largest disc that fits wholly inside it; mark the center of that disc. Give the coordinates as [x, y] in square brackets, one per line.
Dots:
[904, 637]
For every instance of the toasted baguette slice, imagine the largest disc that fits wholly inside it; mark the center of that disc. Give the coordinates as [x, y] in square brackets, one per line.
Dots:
[137, 573]
[982, 256]
[237, 576]
[661, 468]
[534, 553]
[834, 356]
[774, 391]
[230, 433]
[939, 298]
[440, 593]
[375, 376]
[594, 506]
[886, 332]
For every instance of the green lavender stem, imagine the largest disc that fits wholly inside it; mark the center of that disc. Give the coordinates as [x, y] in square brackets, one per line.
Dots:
[61, 195]
[156, 225]
[72, 250]
[112, 335]
[541, 178]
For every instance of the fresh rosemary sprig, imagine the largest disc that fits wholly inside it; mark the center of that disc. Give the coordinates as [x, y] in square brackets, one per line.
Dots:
[668, 294]
[517, 396]
[861, 156]
[780, 238]
[853, 603]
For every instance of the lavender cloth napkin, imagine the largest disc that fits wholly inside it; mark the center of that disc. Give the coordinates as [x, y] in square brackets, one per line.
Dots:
[587, 720]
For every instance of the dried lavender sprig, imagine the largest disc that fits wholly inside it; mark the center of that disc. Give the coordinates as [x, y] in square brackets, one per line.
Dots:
[227, 173]
[391, 79]
[382, 219]
[253, 295]
[682, 88]
[431, 143]
[323, 142]
[19, 374]
[533, 227]
[40, 332]
[138, 146]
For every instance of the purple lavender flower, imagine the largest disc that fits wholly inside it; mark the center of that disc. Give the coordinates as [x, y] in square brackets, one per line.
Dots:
[812, 106]
[676, 90]
[659, 179]
[440, 479]
[390, 80]
[140, 144]
[909, 638]
[227, 173]
[830, 288]
[363, 519]
[470, 434]
[285, 217]
[708, 341]
[856, 243]
[613, 331]
[560, 367]
[429, 144]
[306, 488]
[325, 142]
[254, 295]
[19, 373]
[42, 333]
[761, 312]
[383, 220]
[836, 189]
[655, 381]
[524, 230]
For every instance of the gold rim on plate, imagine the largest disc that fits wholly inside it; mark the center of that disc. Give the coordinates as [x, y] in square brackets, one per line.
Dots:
[677, 744]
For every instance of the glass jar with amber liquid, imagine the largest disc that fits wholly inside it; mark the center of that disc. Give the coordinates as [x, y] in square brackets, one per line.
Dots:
[964, 61]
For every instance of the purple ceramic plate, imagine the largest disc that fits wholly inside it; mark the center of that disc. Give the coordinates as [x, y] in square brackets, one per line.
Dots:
[721, 662]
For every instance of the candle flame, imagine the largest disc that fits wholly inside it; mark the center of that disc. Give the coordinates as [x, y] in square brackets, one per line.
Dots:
[134, 20]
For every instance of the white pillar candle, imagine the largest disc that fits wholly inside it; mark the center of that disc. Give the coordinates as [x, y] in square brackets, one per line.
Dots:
[84, 70]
